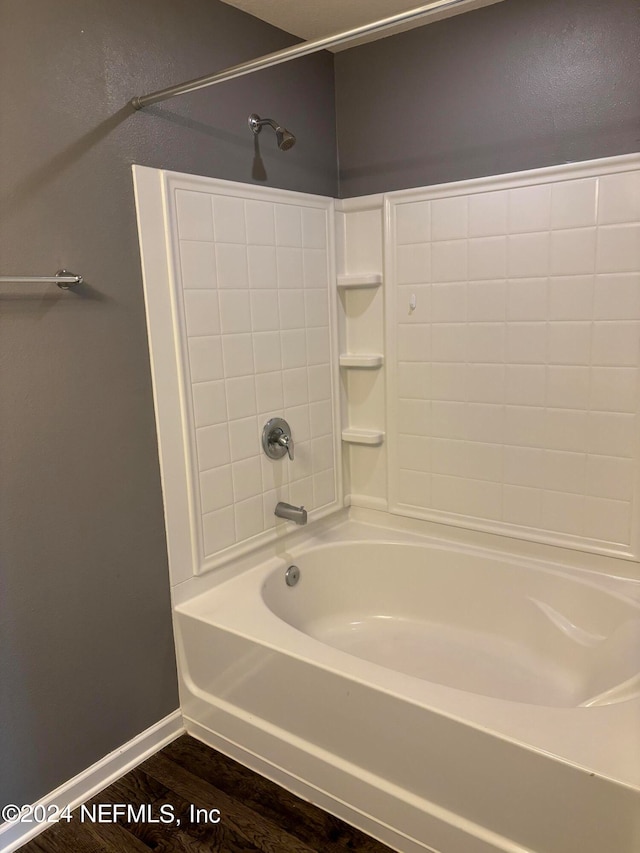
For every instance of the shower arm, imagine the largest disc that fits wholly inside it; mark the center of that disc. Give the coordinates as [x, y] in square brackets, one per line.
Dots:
[303, 49]
[256, 124]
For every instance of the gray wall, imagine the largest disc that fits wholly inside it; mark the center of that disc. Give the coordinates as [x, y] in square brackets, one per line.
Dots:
[86, 652]
[517, 85]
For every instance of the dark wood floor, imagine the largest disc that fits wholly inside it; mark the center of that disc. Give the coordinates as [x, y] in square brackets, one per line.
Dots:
[255, 814]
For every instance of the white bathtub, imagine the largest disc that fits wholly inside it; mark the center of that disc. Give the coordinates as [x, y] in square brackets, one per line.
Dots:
[440, 698]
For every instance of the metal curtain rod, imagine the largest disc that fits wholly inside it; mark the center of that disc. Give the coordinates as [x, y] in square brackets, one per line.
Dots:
[63, 278]
[298, 50]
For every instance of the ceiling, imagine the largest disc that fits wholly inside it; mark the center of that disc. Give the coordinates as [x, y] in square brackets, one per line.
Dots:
[310, 19]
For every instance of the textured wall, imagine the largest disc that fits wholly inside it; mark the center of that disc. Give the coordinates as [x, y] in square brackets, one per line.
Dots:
[517, 85]
[86, 653]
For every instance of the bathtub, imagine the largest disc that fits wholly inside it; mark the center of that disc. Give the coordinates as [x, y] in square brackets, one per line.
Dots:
[439, 696]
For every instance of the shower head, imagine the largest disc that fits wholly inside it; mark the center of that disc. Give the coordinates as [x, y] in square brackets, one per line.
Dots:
[284, 138]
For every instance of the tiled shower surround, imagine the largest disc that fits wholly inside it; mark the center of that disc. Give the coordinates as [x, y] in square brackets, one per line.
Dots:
[252, 289]
[514, 387]
[489, 334]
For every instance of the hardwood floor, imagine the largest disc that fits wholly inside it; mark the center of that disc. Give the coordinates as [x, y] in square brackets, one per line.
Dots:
[254, 814]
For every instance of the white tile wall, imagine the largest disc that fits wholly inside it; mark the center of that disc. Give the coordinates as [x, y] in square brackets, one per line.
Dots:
[514, 392]
[253, 281]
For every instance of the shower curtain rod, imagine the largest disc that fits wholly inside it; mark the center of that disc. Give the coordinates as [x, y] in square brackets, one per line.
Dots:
[297, 50]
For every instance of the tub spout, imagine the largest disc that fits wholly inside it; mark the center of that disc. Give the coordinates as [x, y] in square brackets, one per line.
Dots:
[292, 513]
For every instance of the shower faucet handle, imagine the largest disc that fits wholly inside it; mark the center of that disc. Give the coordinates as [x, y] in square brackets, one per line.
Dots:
[286, 441]
[277, 439]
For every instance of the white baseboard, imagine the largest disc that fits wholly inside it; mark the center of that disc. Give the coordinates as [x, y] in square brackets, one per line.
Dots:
[95, 778]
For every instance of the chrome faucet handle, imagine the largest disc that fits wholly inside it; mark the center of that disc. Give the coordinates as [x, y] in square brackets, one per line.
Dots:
[286, 441]
[277, 439]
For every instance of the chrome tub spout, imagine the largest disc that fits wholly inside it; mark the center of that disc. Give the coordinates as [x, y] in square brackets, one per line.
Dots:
[292, 513]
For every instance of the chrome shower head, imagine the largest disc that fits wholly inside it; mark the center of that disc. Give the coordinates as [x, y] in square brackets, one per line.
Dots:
[284, 138]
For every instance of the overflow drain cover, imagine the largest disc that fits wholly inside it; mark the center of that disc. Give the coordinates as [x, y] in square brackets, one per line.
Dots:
[292, 575]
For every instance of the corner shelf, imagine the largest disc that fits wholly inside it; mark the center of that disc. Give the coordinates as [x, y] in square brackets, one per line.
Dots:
[362, 333]
[370, 437]
[362, 361]
[356, 281]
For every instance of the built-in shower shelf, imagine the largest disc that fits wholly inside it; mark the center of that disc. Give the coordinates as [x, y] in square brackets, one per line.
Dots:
[362, 361]
[363, 436]
[354, 281]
